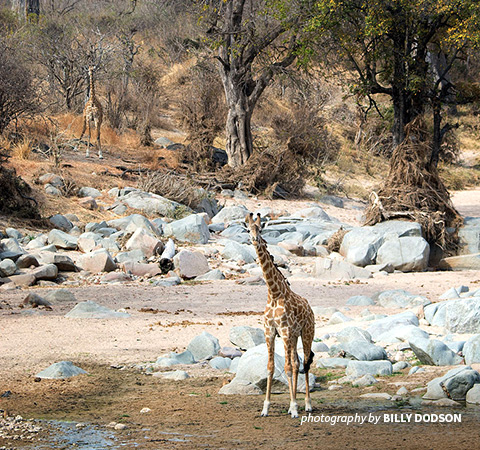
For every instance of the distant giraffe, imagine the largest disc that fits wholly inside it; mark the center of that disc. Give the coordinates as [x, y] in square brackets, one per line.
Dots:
[288, 315]
[92, 114]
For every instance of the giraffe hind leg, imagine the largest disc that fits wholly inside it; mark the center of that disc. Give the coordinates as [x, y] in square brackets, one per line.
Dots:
[307, 348]
[97, 126]
[87, 153]
[270, 340]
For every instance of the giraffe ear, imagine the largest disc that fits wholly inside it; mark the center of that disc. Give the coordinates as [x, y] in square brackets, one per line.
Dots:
[258, 221]
[248, 219]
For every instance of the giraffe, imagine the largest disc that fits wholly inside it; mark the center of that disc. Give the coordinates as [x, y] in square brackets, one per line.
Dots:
[92, 113]
[288, 315]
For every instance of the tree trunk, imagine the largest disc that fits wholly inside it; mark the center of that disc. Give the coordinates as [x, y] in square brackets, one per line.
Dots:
[437, 135]
[239, 144]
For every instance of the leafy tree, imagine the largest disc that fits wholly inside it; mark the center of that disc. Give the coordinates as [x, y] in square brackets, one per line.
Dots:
[404, 49]
[254, 41]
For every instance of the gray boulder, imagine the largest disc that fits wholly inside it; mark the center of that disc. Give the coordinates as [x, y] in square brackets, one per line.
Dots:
[190, 264]
[60, 371]
[398, 298]
[172, 359]
[358, 369]
[246, 337]
[60, 296]
[192, 228]
[52, 190]
[7, 267]
[360, 300]
[136, 255]
[366, 380]
[332, 269]
[13, 233]
[89, 241]
[176, 375]
[63, 262]
[473, 395]
[212, 275]
[26, 261]
[319, 347]
[97, 261]
[471, 350]
[240, 387]
[339, 317]
[402, 333]
[144, 241]
[92, 310]
[408, 254]
[360, 350]
[463, 316]
[332, 363]
[350, 334]
[360, 246]
[230, 214]
[381, 326]
[46, 272]
[61, 222]
[204, 346]
[220, 363]
[133, 222]
[434, 353]
[239, 252]
[62, 240]
[153, 204]
[89, 192]
[454, 384]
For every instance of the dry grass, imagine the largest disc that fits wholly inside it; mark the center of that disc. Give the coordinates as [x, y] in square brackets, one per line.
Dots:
[23, 149]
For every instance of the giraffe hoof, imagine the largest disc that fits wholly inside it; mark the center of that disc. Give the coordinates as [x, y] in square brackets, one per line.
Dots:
[264, 414]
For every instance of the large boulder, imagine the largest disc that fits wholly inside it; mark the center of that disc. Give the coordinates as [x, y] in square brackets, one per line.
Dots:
[45, 272]
[457, 316]
[434, 353]
[131, 223]
[359, 350]
[190, 264]
[204, 346]
[332, 269]
[152, 204]
[7, 267]
[239, 252]
[230, 214]
[246, 337]
[62, 240]
[144, 241]
[97, 261]
[192, 228]
[89, 241]
[141, 270]
[63, 262]
[381, 326]
[471, 350]
[461, 262]
[61, 222]
[92, 310]
[357, 369]
[360, 246]
[349, 334]
[408, 254]
[60, 371]
[469, 235]
[398, 298]
[454, 384]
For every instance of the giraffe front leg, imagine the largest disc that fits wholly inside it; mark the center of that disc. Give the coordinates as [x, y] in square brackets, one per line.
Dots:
[87, 153]
[294, 363]
[307, 339]
[270, 340]
[293, 409]
[97, 126]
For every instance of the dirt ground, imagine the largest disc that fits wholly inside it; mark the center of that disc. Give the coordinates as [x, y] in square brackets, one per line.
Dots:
[191, 413]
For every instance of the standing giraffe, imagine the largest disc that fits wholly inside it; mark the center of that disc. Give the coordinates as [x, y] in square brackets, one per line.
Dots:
[288, 315]
[92, 113]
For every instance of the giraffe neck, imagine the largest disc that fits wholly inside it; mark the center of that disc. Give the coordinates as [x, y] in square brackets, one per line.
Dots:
[92, 86]
[276, 282]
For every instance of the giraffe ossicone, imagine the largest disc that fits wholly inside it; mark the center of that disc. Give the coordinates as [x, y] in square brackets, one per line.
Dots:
[287, 315]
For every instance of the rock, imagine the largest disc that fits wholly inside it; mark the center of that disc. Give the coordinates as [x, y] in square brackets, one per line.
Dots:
[144, 241]
[454, 384]
[381, 326]
[469, 235]
[234, 365]
[176, 358]
[366, 380]
[133, 222]
[163, 141]
[360, 350]
[473, 395]
[462, 262]
[169, 250]
[190, 264]
[376, 268]
[63, 262]
[402, 333]
[434, 353]
[203, 346]
[97, 261]
[240, 387]
[209, 206]
[141, 270]
[61, 222]
[215, 274]
[360, 246]
[338, 317]
[408, 254]
[230, 352]
[115, 277]
[359, 368]
[62, 240]
[167, 282]
[220, 363]
[252, 367]
[453, 293]
[402, 391]
[398, 298]
[236, 233]
[442, 402]
[315, 212]
[89, 241]
[11, 247]
[463, 315]
[26, 261]
[52, 190]
[192, 228]
[333, 363]
[60, 296]
[119, 426]
[176, 375]
[60, 371]
[471, 350]
[132, 256]
[52, 179]
[400, 365]
[360, 300]
[230, 214]
[153, 204]
[329, 269]
[377, 395]
[239, 252]
[46, 272]
[7, 268]
[321, 311]
[246, 337]
[35, 300]
[350, 334]
[39, 241]
[319, 347]
[415, 369]
[89, 192]
[332, 200]
[92, 310]
[23, 280]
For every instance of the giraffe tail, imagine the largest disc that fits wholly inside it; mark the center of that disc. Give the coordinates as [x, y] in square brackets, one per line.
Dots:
[308, 363]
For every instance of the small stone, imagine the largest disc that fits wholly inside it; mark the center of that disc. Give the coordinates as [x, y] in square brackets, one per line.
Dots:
[120, 426]
[145, 410]
[402, 391]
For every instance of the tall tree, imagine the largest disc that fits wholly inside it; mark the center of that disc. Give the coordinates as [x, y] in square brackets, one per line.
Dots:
[404, 49]
[254, 40]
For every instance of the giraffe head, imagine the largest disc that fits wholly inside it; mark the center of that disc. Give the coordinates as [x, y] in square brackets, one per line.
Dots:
[255, 227]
